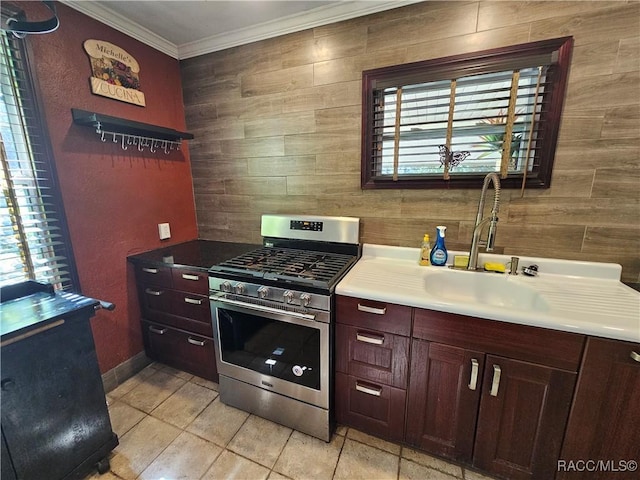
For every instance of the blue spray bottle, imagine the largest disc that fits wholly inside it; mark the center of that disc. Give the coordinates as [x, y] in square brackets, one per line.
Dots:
[439, 251]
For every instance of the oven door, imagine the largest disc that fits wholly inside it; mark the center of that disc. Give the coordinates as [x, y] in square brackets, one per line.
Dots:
[286, 352]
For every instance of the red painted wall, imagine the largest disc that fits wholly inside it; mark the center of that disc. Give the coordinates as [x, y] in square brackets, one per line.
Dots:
[113, 199]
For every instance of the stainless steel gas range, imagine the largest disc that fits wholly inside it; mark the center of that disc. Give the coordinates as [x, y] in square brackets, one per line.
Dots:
[272, 312]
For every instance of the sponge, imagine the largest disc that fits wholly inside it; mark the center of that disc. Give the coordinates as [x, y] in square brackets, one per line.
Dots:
[461, 261]
[494, 267]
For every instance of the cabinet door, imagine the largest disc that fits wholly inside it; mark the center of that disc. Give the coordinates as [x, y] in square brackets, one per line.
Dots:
[522, 419]
[372, 355]
[604, 421]
[444, 391]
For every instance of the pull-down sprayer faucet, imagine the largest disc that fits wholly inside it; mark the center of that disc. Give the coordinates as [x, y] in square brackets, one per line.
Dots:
[476, 243]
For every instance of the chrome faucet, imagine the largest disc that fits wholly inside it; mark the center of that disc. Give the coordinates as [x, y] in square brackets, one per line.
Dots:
[476, 243]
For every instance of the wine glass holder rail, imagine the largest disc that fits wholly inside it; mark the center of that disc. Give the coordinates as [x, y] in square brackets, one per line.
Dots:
[128, 133]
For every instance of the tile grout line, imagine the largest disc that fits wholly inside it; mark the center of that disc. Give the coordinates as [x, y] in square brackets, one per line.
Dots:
[335, 468]
[225, 448]
[280, 454]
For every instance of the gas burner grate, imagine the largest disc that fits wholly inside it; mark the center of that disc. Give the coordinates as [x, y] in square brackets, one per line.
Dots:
[288, 264]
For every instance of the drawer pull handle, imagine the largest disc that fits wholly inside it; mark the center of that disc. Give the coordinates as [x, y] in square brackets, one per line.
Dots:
[473, 382]
[368, 390]
[150, 270]
[159, 331]
[186, 276]
[155, 293]
[369, 339]
[193, 341]
[635, 356]
[376, 311]
[495, 384]
[193, 301]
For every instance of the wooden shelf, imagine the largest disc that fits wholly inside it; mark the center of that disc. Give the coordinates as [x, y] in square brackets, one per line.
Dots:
[106, 123]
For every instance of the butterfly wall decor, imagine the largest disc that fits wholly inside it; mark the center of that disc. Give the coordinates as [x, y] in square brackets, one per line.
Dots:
[453, 159]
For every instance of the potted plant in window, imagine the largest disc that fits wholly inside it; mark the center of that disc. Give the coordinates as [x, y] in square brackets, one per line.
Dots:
[494, 141]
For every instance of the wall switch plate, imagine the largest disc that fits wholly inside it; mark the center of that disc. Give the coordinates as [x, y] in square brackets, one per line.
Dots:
[164, 231]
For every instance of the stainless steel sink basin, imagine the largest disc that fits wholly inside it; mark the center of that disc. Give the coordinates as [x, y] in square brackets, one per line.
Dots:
[483, 288]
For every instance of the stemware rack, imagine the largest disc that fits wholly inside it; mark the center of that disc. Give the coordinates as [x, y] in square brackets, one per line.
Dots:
[130, 134]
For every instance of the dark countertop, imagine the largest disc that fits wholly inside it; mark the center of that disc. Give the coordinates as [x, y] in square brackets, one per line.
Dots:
[198, 254]
[634, 285]
[36, 307]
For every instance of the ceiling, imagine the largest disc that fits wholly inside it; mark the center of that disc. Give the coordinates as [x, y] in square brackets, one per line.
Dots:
[184, 29]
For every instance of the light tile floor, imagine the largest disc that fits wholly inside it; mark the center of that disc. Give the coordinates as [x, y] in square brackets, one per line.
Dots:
[173, 426]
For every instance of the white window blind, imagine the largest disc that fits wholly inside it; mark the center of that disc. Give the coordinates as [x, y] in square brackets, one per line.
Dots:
[447, 122]
[471, 116]
[33, 239]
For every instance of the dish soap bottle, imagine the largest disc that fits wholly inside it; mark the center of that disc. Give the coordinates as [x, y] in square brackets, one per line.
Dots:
[439, 251]
[425, 251]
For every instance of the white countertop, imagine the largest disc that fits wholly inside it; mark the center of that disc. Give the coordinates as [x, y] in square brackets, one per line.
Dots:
[572, 296]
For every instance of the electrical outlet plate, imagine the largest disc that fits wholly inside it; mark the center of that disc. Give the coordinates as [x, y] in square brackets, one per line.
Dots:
[164, 231]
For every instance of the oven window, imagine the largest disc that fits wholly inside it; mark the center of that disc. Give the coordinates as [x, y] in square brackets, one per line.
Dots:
[271, 347]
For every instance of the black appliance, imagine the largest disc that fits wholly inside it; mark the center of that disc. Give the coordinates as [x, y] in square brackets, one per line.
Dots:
[54, 417]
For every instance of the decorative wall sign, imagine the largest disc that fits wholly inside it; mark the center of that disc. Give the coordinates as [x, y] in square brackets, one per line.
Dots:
[115, 73]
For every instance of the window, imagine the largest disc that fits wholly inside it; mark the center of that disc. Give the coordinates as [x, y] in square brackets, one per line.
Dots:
[34, 243]
[448, 122]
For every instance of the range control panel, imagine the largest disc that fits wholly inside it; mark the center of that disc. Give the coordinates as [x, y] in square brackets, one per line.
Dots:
[306, 225]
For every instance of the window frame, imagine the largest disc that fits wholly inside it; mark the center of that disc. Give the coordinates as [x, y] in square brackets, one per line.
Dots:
[457, 66]
[38, 132]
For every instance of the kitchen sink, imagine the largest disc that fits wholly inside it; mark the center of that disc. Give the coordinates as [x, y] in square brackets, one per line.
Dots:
[486, 288]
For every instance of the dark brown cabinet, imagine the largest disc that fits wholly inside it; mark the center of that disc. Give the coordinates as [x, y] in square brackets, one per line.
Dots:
[523, 413]
[491, 394]
[443, 398]
[602, 434]
[372, 354]
[176, 324]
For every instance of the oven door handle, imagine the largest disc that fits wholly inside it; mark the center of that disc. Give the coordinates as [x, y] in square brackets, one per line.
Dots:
[262, 308]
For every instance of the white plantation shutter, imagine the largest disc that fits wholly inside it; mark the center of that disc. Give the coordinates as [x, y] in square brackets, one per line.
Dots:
[34, 242]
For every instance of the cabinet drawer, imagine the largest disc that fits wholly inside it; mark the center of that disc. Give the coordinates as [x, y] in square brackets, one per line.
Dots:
[155, 299]
[522, 342]
[370, 407]
[191, 306]
[380, 316]
[150, 274]
[378, 357]
[182, 350]
[193, 281]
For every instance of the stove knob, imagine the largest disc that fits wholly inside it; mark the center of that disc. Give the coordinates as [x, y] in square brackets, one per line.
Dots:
[305, 299]
[263, 292]
[288, 296]
[240, 288]
[225, 286]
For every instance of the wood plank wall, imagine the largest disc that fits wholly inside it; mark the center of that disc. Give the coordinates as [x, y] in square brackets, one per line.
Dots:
[277, 126]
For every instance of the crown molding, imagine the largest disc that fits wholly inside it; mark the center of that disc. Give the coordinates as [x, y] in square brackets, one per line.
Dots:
[290, 24]
[124, 25]
[293, 23]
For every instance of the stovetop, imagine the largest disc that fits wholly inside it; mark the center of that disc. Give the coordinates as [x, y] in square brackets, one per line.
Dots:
[293, 266]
